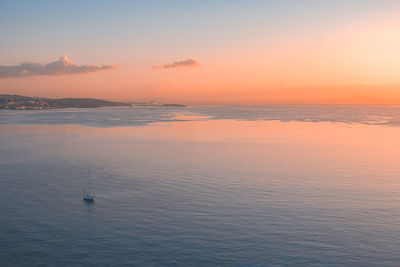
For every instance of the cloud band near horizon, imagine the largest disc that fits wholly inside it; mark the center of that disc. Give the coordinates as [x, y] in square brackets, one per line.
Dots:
[179, 64]
[58, 67]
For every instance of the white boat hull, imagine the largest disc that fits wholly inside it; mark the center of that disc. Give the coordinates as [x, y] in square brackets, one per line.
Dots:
[89, 197]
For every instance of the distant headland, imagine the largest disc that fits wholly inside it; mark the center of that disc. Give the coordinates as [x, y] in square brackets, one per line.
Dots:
[19, 102]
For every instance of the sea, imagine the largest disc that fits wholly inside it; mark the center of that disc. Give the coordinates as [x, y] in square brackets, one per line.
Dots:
[201, 185]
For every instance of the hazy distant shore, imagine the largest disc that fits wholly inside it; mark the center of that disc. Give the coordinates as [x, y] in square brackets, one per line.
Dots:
[18, 102]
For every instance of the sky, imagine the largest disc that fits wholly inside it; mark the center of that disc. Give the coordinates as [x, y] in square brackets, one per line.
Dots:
[205, 52]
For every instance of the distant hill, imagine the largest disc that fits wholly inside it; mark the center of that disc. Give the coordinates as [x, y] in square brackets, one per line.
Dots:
[26, 102]
[29, 103]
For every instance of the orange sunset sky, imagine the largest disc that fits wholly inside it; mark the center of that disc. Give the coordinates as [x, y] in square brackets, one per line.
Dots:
[243, 52]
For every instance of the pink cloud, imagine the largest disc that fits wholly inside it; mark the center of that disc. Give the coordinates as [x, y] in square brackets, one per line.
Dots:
[59, 67]
[179, 64]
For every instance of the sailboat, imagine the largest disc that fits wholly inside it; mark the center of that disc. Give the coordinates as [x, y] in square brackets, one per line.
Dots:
[89, 195]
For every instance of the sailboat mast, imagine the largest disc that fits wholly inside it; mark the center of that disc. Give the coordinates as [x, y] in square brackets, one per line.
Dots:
[87, 195]
[89, 182]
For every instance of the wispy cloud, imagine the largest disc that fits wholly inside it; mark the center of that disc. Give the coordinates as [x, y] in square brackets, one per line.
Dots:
[58, 67]
[179, 64]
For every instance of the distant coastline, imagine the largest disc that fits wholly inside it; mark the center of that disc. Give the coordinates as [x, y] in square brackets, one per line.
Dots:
[18, 102]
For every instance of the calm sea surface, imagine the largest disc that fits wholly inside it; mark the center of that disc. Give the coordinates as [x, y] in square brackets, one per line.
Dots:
[201, 185]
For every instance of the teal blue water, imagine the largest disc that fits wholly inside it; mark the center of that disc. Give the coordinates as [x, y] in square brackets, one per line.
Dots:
[173, 201]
